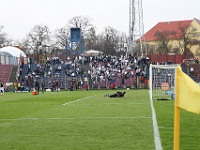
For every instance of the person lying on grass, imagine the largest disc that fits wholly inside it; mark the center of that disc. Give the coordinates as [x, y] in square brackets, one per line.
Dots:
[118, 94]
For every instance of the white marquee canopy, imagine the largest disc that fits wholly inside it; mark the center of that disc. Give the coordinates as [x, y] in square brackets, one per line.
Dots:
[11, 55]
[13, 51]
[92, 52]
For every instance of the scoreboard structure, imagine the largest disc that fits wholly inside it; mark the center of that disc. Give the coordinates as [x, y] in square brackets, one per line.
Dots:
[75, 34]
[75, 41]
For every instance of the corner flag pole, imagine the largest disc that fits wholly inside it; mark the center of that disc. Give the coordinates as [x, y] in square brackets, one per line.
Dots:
[176, 115]
[176, 128]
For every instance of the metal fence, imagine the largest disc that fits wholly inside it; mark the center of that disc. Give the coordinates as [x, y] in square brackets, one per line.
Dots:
[9, 60]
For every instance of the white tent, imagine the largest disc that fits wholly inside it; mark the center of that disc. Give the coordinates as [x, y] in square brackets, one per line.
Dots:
[11, 55]
[13, 51]
[92, 52]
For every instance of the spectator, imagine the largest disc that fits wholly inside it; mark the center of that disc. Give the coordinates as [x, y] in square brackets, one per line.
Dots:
[43, 86]
[37, 87]
[2, 88]
[184, 67]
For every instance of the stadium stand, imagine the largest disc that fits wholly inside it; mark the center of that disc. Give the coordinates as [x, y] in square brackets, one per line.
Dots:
[5, 72]
[103, 71]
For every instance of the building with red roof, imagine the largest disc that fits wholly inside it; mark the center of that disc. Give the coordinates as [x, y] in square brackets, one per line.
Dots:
[174, 37]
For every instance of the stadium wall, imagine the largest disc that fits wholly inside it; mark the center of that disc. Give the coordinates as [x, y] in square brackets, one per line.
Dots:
[174, 58]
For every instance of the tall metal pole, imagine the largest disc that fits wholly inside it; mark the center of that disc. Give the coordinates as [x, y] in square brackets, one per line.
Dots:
[136, 28]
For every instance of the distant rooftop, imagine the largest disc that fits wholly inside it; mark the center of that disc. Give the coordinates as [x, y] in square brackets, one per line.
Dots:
[169, 26]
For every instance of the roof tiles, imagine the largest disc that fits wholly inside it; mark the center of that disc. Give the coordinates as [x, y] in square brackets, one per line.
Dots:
[170, 26]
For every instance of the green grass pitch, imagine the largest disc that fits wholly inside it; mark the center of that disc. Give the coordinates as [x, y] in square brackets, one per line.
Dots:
[87, 120]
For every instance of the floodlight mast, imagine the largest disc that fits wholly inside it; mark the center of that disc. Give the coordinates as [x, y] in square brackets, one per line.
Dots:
[136, 42]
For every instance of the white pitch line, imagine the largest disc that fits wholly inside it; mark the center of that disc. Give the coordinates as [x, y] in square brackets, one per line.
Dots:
[142, 104]
[137, 103]
[134, 117]
[168, 128]
[157, 140]
[78, 100]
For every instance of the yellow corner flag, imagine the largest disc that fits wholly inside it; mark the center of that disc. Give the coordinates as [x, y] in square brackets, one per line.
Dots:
[187, 92]
[187, 96]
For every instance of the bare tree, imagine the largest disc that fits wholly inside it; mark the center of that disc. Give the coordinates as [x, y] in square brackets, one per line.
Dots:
[138, 51]
[87, 29]
[84, 23]
[62, 42]
[62, 37]
[24, 44]
[39, 40]
[121, 43]
[91, 39]
[4, 41]
[100, 42]
[113, 41]
[164, 39]
[151, 49]
[186, 38]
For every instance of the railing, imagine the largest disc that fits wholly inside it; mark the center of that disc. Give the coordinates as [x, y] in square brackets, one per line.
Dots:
[10, 60]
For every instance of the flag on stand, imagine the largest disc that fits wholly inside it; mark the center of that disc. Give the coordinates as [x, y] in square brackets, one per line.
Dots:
[187, 96]
[187, 92]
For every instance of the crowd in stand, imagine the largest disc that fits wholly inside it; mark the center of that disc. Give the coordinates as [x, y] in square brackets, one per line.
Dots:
[83, 72]
[112, 67]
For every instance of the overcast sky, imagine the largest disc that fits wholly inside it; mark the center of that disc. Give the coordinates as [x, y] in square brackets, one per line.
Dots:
[20, 16]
